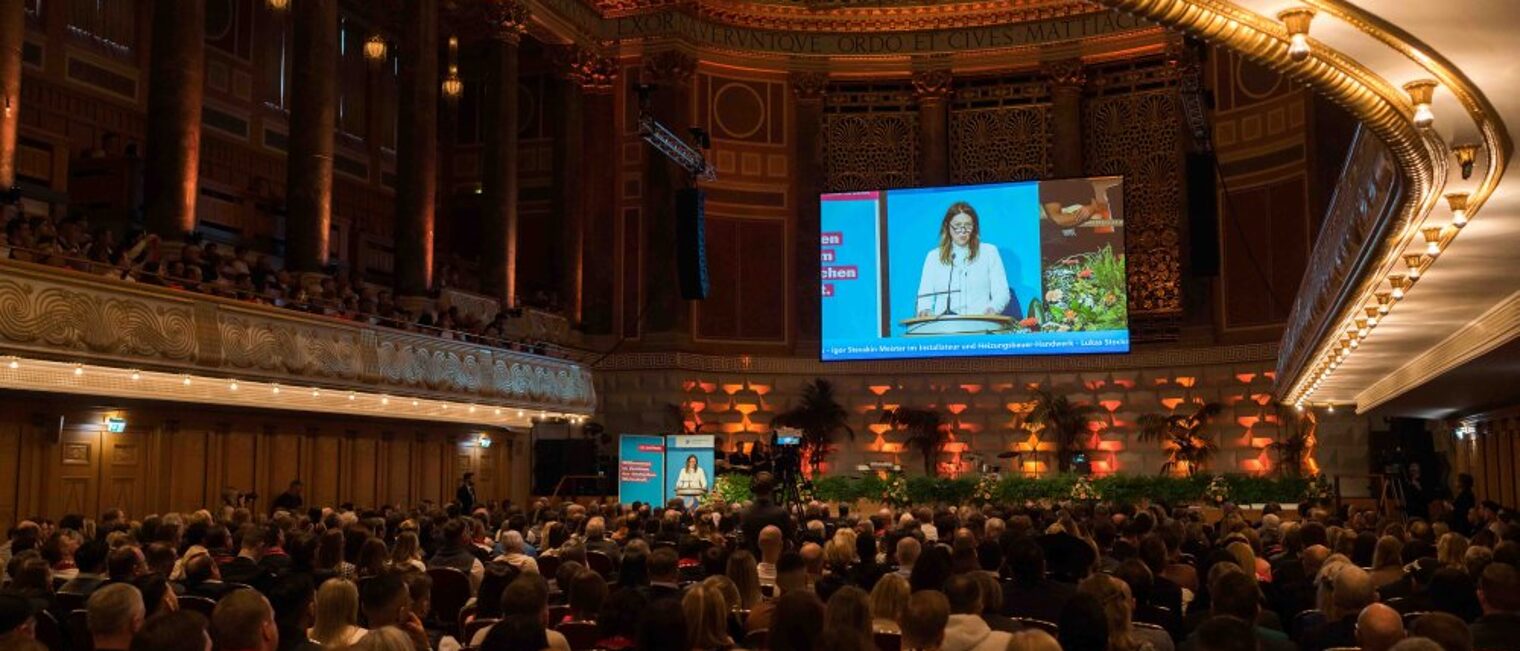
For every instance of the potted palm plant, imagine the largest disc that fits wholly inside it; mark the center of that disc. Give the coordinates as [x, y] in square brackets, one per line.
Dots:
[1189, 447]
[1295, 451]
[924, 432]
[1069, 421]
[820, 417]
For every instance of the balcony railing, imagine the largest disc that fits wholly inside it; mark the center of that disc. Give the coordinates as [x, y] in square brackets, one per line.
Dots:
[60, 313]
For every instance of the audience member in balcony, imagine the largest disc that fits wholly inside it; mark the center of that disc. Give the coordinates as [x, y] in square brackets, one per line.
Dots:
[114, 613]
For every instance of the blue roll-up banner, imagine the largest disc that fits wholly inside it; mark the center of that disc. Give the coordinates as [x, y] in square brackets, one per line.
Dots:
[641, 469]
[688, 467]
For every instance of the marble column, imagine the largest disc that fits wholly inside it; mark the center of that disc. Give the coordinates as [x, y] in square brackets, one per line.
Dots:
[569, 145]
[417, 150]
[1067, 79]
[931, 89]
[499, 218]
[313, 118]
[596, 76]
[176, 79]
[12, 33]
[671, 73]
[808, 173]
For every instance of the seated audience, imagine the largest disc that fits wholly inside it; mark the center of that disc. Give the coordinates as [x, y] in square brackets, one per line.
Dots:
[115, 612]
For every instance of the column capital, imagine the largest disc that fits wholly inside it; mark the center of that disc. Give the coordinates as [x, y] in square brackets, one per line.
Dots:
[810, 86]
[508, 20]
[671, 67]
[592, 72]
[1068, 73]
[932, 85]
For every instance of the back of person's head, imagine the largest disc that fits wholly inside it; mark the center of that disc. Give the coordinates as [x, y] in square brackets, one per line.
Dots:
[588, 590]
[1379, 627]
[1083, 626]
[1113, 595]
[1352, 592]
[384, 599]
[385, 638]
[125, 563]
[663, 627]
[889, 598]
[620, 614]
[798, 619]
[1387, 552]
[1499, 588]
[177, 631]
[1137, 576]
[770, 543]
[908, 550]
[932, 569]
[1033, 639]
[664, 564]
[337, 608]
[454, 532]
[1236, 595]
[1418, 644]
[849, 608]
[706, 614]
[243, 620]
[923, 623]
[488, 596]
[91, 556]
[791, 572]
[528, 595]
[964, 595]
[744, 572]
[115, 609]
[1445, 628]
[292, 596]
[156, 594]
[1026, 560]
[1225, 633]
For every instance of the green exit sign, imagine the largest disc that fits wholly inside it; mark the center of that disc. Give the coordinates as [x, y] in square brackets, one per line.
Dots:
[116, 425]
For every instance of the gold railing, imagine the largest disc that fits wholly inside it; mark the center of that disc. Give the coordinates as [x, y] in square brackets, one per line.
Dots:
[62, 314]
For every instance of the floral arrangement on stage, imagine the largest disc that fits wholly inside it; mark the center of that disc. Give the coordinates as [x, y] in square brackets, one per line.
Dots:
[1084, 491]
[731, 488]
[1084, 292]
[1320, 490]
[894, 491]
[1218, 490]
[986, 488]
[1057, 487]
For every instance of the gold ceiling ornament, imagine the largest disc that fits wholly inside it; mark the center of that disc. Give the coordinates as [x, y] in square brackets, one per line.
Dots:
[591, 71]
[1421, 94]
[1432, 240]
[1296, 20]
[1457, 202]
[1066, 72]
[872, 16]
[1466, 155]
[374, 49]
[1413, 261]
[509, 18]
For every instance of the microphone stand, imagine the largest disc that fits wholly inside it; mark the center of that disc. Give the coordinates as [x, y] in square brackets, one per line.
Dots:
[949, 279]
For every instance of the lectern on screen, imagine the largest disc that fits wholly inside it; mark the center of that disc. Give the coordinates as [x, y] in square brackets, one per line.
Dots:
[1029, 268]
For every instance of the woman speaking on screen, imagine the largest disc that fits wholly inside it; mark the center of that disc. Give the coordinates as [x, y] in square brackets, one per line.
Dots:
[963, 275]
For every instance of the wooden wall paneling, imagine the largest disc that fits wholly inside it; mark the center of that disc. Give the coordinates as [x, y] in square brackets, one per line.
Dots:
[240, 459]
[519, 461]
[124, 471]
[431, 476]
[10, 473]
[1510, 460]
[362, 457]
[326, 471]
[187, 482]
[285, 459]
[400, 484]
[75, 463]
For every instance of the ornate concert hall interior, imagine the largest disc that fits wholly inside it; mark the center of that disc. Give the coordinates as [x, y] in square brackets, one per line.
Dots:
[373, 246]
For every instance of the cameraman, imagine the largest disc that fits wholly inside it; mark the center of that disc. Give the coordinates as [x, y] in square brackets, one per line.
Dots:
[765, 512]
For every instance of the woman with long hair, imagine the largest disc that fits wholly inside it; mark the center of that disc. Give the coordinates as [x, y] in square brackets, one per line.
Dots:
[373, 557]
[588, 591]
[1118, 606]
[1451, 549]
[691, 484]
[330, 556]
[848, 616]
[337, 610]
[963, 275]
[407, 554]
[706, 619]
[888, 601]
[1387, 561]
[744, 572]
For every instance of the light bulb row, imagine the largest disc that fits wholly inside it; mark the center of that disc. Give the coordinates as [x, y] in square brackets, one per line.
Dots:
[233, 386]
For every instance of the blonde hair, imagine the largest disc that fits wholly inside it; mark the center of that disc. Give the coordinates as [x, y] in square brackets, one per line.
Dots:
[1451, 550]
[706, 618]
[745, 574]
[1033, 639]
[388, 638]
[838, 553]
[890, 597]
[337, 606]
[1244, 556]
[725, 586]
[1115, 598]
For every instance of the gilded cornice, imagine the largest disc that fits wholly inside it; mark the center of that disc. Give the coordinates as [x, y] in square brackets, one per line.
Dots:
[887, 16]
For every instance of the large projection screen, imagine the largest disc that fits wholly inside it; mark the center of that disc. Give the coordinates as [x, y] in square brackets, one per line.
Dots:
[1028, 268]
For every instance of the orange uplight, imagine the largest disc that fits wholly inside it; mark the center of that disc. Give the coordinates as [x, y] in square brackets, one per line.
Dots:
[1033, 467]
[1260, 442]
[708, 387]
[1270, 375]
[1171, 403]
[1111, 446]
[1252, 466]
[1094, 385]
[745, 409]
[879, 428]
[760, 389]
[1096, 426]
[731, 389]
[1126, 383]
[1032, 386]
[1101, 467]
[1261, 398]
[1002, 387]
[1111, 405]
[1245, 378]
[892, 448]
[1034, 444]
[1020, 407]
[972, 389]
[954, 447]
[879, 389]
[688, 385]
[696, 406]
[1187, 381]
[1248, 421]
[956, 408]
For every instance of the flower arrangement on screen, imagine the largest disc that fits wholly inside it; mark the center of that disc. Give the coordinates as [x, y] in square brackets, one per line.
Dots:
[1083, 292]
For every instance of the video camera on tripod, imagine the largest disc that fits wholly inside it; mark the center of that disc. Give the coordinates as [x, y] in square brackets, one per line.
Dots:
[786, 455]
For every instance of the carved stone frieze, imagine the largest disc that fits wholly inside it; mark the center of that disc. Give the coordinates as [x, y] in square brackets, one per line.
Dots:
[50, 312]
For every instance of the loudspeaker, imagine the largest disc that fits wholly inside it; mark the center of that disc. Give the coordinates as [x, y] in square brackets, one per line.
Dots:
[1203, 214]
[691, 243]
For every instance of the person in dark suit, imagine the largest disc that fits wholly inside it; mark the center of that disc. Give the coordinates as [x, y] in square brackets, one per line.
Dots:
[765, 512]
[245, 568]
[291, 597]
[596, 540]
[203, 578]
[1234, 594]
[1463, 505]
[1499, 593]
[91, 560]
[465, 496]
[664, 576]
[1030, 593]
[290, 500]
